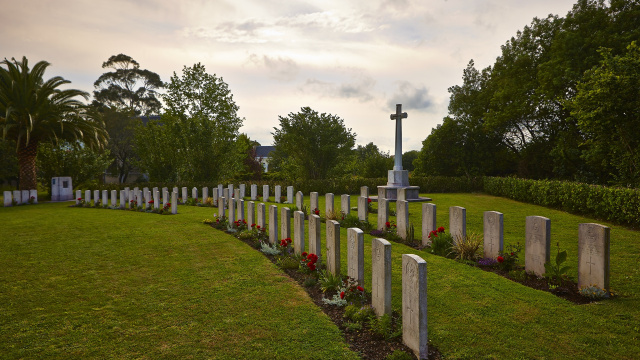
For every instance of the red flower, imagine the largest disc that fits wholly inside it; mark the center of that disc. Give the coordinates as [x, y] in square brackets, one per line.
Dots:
[441, 229]
[79, 199]
[342, 295]
[288, 240]
[304, 254]
[253, 225]
[258, 227]
[311, 266]
[433, 233]
[316, 211]
[512, 254]
[387, 224]
[368, 200]
[500, 259]
[360, 288]
[150, 201]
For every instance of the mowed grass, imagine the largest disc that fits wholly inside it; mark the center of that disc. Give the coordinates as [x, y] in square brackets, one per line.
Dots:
[475, 314]
[102, 283]
[91, 283]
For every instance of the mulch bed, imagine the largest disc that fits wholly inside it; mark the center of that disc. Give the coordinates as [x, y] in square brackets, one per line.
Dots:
[365, 342]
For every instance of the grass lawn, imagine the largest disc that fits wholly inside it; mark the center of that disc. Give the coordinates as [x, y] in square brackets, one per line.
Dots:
[90, 283]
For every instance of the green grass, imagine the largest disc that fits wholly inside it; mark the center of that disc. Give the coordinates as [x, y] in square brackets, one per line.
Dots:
[91, 283]
[95, 283]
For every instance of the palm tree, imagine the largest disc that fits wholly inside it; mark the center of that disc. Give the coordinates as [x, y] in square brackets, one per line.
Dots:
[33, 111]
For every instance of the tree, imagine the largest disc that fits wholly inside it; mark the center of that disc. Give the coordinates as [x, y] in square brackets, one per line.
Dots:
[33, 111]
[607, 109]
[369, 162]
[313, 144]
[120, 125]
[83, 164]
[195, 138]
[250, 167]
[127, 87]
[8, 162]
[408, 158]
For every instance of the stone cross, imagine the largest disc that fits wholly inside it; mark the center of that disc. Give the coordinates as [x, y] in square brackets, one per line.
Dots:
[398, 116]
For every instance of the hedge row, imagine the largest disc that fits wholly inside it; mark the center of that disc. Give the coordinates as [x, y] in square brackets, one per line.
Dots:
[619, 205]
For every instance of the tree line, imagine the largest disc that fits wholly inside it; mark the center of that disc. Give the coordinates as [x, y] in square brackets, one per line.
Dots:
[562, 101]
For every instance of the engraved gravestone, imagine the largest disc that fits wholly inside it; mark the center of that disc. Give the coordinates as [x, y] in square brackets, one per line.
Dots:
[414, 304]
[362, 208]
[345, 204]
[593, 255]
[174, 202]
[273, 224]
[184, 194]
[261, 215]
[221, 208]
[458, 222]
[289, 194]
[364, 191]
[298, 232]
[329, 205]
[8, 200]
[232, 211]
[428, 222]
[251, 213]
[278, 193]
[240, 210]
[315, 242]
[265, 193]
[254, 192]
[355, 254]
[299, 200]
[333, 247]
[285, 223]
[493, 234]
[402, 218]
[381, 276]
[383, 213]
[537, 244]
[313, 201]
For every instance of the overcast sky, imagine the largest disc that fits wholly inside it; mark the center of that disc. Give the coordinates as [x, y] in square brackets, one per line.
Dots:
[354, 59]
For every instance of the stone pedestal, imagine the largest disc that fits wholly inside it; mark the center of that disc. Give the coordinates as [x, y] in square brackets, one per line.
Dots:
[398, 188]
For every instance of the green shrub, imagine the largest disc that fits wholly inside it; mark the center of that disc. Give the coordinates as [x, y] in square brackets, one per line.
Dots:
[399, 355]
[329, 282]
[441, 244]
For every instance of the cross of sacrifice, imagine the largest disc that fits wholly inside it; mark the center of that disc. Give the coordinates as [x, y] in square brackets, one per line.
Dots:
[398, 116]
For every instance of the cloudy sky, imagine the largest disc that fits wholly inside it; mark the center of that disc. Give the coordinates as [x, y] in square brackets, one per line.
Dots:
[355, 59]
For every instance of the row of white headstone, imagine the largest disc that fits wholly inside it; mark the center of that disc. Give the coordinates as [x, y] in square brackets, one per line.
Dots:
[414, 268]
[593, 242]
[145, 198]
[20, 196]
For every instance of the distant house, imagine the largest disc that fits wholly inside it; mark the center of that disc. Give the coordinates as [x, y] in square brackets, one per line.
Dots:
[263, 154]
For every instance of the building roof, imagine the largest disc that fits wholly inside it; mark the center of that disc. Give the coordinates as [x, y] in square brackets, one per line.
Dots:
[264, 151]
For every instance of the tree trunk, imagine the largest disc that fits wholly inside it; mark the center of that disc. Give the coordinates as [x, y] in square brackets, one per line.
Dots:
[27, 164]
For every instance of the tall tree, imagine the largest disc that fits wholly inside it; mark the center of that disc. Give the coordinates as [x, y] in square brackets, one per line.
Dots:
[195, 138]
[127, 87]
[607, 109]
[120, 125]
[33, 110]
[313, 144]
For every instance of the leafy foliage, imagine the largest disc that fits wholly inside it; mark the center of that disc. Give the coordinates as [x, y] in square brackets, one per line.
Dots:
[127, 87]
[310, 145]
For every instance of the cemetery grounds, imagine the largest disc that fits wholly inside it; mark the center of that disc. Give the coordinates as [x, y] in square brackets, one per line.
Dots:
[98, 283]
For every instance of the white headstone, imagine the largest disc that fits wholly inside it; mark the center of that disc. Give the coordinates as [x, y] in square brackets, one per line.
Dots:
[221, 208]
[251, 213]
[96, 197]
[328, 204]
[381, 276]
[537, 246]
[231, 192]
[174, 202]
[458, 222]
[254, 192]
[114, 198]
[220, 191]
[105, 197]
[402, 218]
[156, 198]
[363, 208]
[87, 196]
[364, 191]
[226, 195]
[428, 222]
[78, 196]
[333, 247]
[298, 232]
[278, 193]
[232, 211]
[24, 196]
[285, 223]
[289, 194]
[345, 204]
[17, 196]
[299, 200]
[265, 193]
[214, 195]
[355, 254]
[8, 198]
[315, 242]
[383, 213]
[123, 200]
[414, 304]
[313, 201]
[205, 194]
[240, 210]
[593, 255]
[243, 189]
[236, 194]
[493, 234]
[261, 215]
[273, 224]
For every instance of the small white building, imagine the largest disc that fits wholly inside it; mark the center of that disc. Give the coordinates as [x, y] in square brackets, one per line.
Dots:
[263, 154]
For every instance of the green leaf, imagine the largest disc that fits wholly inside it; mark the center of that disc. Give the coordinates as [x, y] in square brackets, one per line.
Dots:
[561, 257]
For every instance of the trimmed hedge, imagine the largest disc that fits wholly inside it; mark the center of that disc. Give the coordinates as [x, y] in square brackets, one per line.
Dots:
[619, 205]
